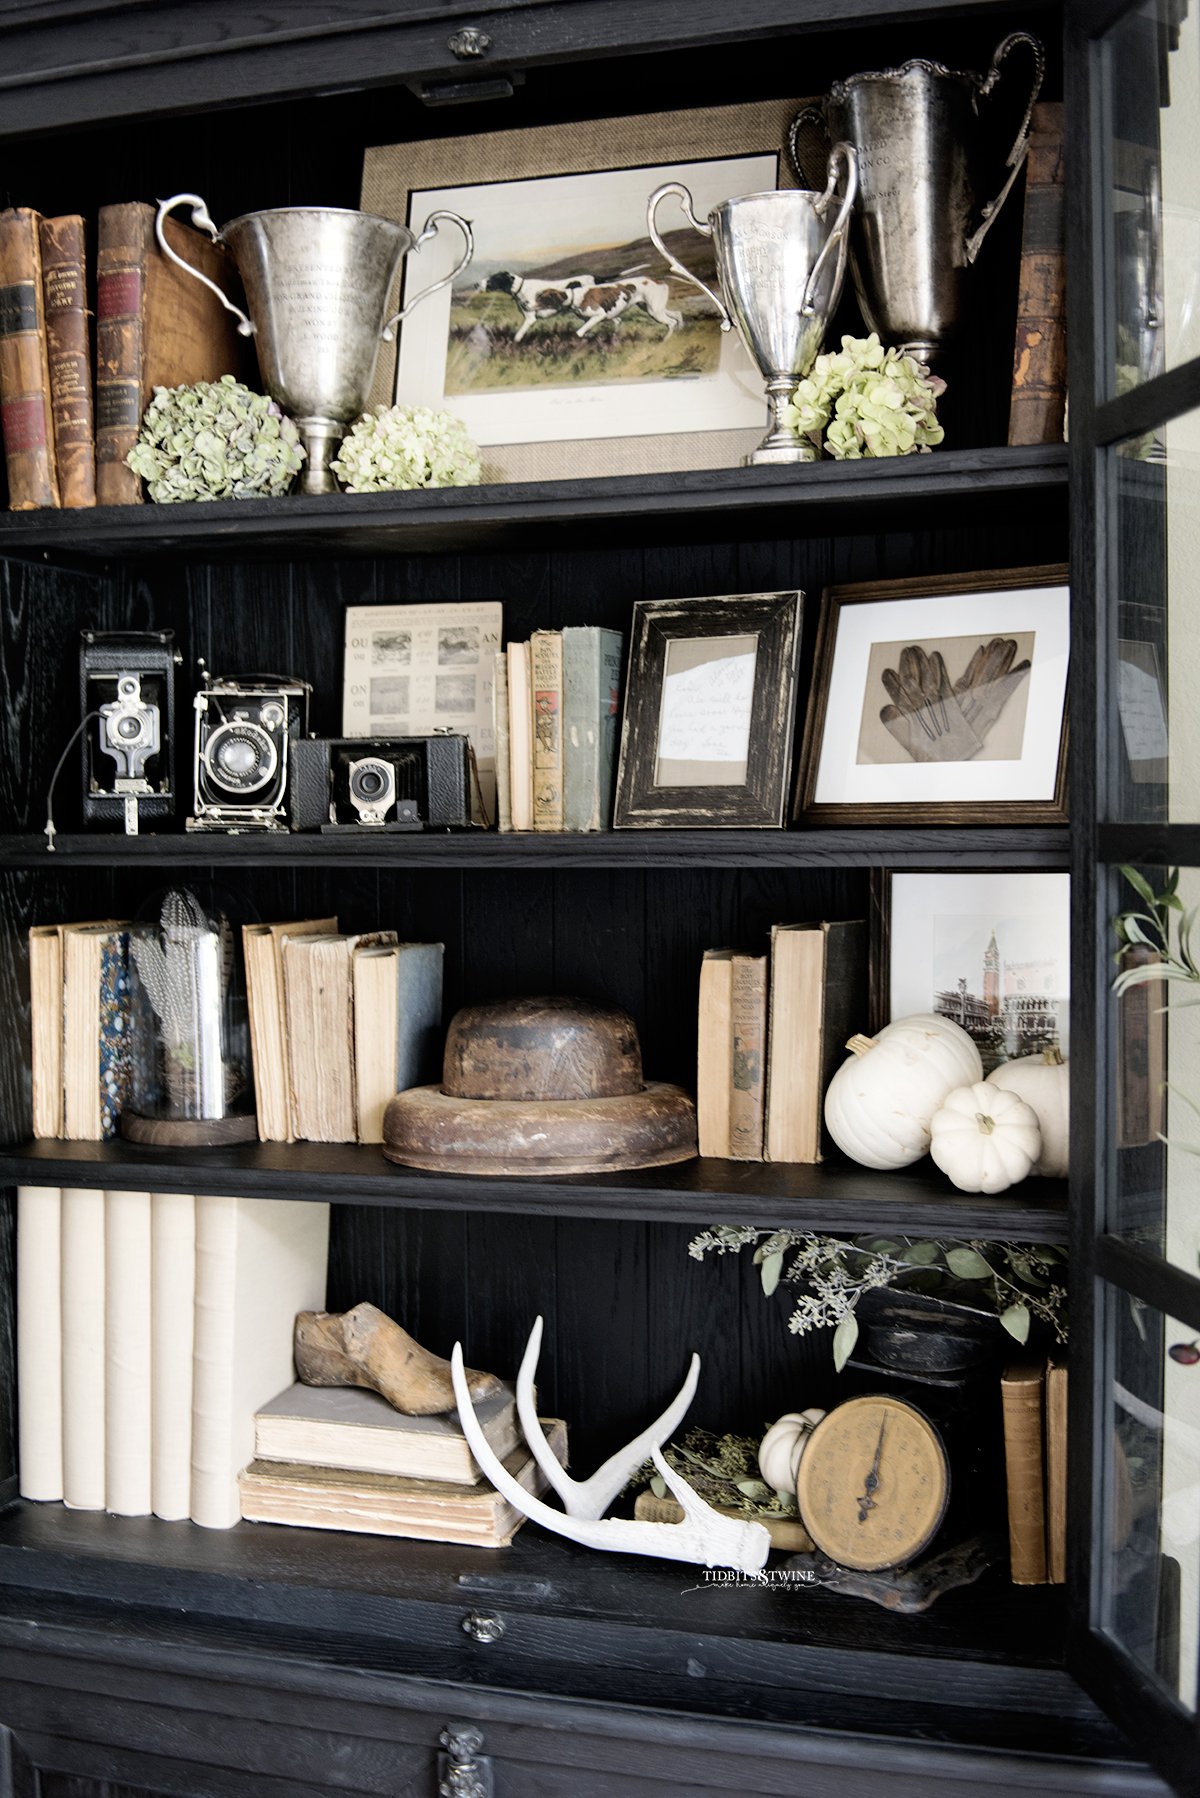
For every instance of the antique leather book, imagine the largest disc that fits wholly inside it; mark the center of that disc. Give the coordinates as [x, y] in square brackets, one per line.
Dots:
[1039, 389]
[1022, 1394]
[25, 413]
[545, 676]
[64, 290]
[155, 327]
[818, 992]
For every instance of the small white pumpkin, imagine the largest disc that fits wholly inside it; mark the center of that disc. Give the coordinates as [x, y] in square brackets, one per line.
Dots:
[985, 1138]
[781, 1448]
[879, 1103]
[1044, 1082]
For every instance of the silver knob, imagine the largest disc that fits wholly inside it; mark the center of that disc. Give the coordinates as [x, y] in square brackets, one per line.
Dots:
[481, 1626]
[469, 43]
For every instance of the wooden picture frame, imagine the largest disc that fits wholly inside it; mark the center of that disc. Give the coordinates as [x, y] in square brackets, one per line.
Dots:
[1003, 901]
[509, 184]
[710, 706]
[968, 740]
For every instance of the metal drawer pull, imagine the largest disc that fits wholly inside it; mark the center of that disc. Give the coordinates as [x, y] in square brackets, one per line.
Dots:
[483, 1626]
[469, 43]
[462, 1771]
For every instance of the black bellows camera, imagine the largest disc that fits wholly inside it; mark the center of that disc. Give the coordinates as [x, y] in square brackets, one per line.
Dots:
[380, 783]
[127, 679]
[245, 730]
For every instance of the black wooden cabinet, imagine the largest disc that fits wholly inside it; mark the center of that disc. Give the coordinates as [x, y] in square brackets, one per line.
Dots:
[143, 1656]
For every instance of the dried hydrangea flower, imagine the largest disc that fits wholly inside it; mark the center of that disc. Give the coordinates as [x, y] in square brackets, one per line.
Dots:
[863, 400]
[396, 448]
[215, 440]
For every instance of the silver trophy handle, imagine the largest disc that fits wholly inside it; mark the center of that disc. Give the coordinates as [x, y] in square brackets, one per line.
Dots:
[806, 115]
[427, 235]
[835, 243]
[1016, 156]
[685, 200]
[202, 222]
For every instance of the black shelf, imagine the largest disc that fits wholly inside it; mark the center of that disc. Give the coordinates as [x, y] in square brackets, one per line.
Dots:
[459, 519]
[990, 847]
[835, 1195]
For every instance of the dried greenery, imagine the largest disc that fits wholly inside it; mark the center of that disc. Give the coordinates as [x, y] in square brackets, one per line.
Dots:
[723, 1470]
[1146, 930]
[215, 440]
[397, 448]
[863, 400]
[1017, 1281]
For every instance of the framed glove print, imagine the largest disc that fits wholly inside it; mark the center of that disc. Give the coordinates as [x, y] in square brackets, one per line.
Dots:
[940, 701]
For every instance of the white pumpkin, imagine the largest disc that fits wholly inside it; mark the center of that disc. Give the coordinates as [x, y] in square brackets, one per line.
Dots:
[985, 1138]
[879, 1103]
[1043, 1081]
[781, 1448]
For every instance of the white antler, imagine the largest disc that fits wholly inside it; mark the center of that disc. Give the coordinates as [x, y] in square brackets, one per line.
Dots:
[704, 1535]
[592, 1497]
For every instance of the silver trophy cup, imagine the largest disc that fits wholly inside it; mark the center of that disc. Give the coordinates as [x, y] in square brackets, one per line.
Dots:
[317, 280]
[780, 265]
[922, 142]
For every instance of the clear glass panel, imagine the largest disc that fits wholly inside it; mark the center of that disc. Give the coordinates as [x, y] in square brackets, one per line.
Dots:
[1157, 1112]
[1154, 90]
[1150, 1559]
[1155, 611]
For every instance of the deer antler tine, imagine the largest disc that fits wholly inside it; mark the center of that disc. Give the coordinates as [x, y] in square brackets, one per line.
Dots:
[531, 1428]
[704, 1536]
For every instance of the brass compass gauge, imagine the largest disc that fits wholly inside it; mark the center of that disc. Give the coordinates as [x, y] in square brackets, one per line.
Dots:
[873, 1483]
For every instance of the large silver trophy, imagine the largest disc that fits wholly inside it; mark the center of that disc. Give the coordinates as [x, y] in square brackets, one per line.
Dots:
[781, 260]
[317, 280]
[922, 142]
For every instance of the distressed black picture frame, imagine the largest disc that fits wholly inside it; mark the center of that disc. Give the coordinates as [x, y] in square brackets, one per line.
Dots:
[761, 800]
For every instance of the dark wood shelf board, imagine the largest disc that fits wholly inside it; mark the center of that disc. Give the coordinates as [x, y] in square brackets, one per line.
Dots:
[471, 518]
[835, 1195]
[984, 847]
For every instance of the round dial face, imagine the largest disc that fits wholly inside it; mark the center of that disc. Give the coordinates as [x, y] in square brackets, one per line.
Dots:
[873, 1483]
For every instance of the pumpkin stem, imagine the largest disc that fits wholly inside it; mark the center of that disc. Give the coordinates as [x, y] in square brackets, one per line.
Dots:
[1053, 1056]
[858, 1045]
[986, 1124]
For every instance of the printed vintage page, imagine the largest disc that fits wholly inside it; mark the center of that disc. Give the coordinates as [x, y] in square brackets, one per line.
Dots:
[413, 670]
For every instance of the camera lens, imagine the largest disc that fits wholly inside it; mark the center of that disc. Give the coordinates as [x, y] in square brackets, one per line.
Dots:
[240, 758]
[370, 783]
[129, 729]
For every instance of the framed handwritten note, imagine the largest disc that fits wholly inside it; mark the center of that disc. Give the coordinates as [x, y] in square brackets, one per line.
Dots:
[710, 711]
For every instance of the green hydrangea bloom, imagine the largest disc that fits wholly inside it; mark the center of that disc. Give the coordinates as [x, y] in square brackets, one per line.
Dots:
[863, 400]
[215, 440]
[396, 448]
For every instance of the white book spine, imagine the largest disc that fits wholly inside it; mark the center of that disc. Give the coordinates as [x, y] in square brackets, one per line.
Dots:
[39, 1341]
[83, 1349]
[128, 1357]
[172, 1309]
[258, 1262]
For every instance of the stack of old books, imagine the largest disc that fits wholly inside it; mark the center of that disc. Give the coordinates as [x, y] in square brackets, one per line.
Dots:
[340, 1458]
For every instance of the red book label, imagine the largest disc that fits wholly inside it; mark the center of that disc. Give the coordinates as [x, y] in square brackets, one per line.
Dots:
[119, 295]
[24, 422]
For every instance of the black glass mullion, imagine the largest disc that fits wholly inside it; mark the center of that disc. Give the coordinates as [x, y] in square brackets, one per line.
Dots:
[1151, 845]
[1148, 406]
[1148, 1277]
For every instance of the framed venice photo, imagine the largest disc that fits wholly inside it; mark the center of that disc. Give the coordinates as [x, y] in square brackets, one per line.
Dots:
[990, 951]
[940, 701]
[567, 347]
[710, 707]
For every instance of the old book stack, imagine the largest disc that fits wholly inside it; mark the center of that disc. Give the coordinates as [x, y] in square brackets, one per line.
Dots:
[150, 1328]
[557, 703]
[79, 1005]
[772, 1032]
[338, 1024]
[340, 1458]
[1033, 1393]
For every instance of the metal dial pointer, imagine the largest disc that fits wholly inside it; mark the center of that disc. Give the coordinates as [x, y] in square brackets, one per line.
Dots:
[867, 1502]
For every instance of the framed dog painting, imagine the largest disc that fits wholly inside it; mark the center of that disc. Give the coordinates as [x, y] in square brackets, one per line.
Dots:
[567, 347]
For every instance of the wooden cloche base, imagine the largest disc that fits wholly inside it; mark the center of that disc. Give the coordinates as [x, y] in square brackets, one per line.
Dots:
[428, 1128]
[189, 1133]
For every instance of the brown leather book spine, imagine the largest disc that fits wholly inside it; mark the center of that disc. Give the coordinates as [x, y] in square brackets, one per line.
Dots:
[25, 414]
[1039, 386]
[748, 1016]
[126, 233]
[1022, 1389]
[1056, 1471]
[64, 293]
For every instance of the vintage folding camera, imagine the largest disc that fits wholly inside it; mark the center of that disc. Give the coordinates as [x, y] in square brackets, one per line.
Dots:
[245, 730]
[127, 696]
[381, 783]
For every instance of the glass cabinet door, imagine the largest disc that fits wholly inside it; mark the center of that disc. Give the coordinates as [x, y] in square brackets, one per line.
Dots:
[1134, 103]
